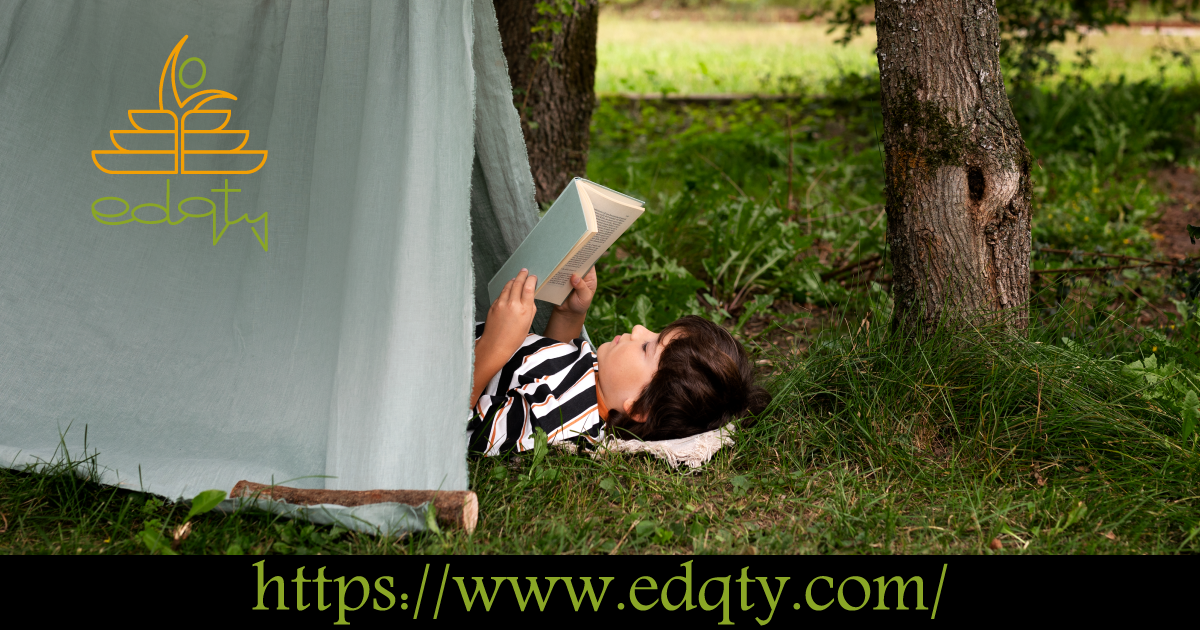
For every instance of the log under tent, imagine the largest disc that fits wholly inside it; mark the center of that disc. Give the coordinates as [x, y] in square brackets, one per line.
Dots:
[247, 241]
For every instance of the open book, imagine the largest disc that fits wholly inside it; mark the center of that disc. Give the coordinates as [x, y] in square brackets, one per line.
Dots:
[584, 221]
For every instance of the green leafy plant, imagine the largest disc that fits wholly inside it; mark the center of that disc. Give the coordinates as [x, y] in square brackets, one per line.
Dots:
[1191, 409]
[1174, 382]
[152, 535]
[538, 472]
[205, 502]
[300, 538]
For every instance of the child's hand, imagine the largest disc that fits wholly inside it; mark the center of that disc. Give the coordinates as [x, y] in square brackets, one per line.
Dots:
[511, 315]
[580, 299]
[508, 323]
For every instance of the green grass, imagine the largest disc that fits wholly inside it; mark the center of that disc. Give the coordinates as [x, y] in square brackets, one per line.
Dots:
[872, 445]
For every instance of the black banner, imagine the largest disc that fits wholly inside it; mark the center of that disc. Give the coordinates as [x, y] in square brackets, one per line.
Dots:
[707, 590]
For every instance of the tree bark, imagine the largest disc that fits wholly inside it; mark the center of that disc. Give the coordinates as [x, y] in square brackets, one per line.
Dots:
[958, 188]
[555, 100]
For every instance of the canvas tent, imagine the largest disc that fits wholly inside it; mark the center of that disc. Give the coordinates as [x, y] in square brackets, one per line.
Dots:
[326, 338]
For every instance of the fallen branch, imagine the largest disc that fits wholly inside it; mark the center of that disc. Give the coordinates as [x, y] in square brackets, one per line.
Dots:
[704, 98]
[881, 280]
[840, 214]
[877, 218]
[727, 177]
[1165, 263]
[455, 508]
[856, 277]
[830, 275]
[1148, 302]
[1091, 270]
[791, 202]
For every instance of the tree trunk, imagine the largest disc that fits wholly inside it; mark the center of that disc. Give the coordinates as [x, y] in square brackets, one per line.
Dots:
[554, 96]
[958, 190]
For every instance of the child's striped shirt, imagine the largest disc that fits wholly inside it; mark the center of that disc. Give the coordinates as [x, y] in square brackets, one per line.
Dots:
[547, 384]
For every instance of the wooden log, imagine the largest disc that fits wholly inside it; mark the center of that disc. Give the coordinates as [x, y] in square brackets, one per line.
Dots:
[455, 508]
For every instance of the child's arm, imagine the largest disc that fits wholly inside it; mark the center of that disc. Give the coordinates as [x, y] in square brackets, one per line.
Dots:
[566, 321]
[508, 322]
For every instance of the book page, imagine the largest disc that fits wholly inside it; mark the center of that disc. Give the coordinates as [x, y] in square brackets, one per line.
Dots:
[613, 217]
[595, 190]
[554, 285]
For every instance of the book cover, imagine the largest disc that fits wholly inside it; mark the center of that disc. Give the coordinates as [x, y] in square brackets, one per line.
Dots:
[554, 236]
[560, 233]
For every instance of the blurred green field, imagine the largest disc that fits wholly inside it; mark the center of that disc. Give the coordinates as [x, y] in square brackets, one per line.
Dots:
[703, 57]
[1136, 53]
[650, 56]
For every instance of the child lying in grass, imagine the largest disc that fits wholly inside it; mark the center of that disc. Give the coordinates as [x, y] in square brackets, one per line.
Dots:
[691, 377]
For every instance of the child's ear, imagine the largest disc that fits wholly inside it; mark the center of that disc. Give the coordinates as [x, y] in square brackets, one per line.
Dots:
[641, 417]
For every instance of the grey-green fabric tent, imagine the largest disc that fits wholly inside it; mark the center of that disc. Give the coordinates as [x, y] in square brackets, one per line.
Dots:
[325, 340]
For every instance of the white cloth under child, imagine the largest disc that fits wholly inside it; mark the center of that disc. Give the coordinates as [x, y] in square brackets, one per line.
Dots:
[693, 450]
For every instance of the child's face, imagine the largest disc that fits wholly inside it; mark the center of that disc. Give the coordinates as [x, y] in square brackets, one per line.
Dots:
[626, 365]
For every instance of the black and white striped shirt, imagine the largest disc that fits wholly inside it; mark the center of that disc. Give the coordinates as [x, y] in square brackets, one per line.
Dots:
[547, 384]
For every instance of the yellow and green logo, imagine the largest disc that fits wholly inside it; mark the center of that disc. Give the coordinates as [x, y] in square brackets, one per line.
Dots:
[198, 125]
[190, 139]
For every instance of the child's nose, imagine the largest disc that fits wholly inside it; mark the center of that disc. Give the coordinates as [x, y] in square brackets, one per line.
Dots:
[641, 332]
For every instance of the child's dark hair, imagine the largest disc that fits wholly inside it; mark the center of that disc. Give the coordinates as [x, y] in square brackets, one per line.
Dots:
[703, 382]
